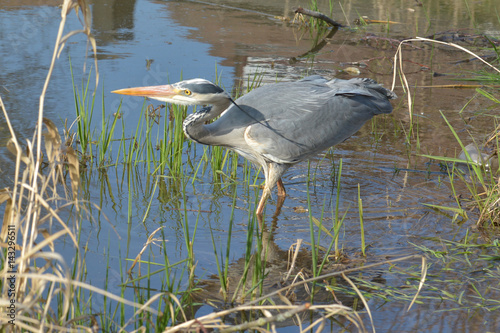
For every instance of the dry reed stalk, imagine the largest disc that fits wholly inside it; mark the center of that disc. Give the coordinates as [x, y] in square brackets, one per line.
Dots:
[40, 289]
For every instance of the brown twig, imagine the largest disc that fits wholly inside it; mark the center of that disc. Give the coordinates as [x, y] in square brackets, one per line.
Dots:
[263, 321]
[318, 15]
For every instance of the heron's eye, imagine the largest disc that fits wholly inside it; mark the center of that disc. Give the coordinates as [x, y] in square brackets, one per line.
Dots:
[187, 92]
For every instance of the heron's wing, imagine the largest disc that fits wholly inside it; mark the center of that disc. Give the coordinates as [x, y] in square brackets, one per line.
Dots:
[287, 122]
[326, 115]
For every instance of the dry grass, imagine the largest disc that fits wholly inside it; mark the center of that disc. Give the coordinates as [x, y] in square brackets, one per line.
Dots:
[488, 202]
[274, 314]
[38, 284]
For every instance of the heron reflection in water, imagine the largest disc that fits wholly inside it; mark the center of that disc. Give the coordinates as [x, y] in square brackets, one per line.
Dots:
[277, 125]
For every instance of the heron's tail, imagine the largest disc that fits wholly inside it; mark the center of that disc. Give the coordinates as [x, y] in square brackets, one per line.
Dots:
[371, 84]
[360, 88]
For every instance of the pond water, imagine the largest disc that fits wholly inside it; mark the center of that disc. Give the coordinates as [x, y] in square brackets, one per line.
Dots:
[147, 42]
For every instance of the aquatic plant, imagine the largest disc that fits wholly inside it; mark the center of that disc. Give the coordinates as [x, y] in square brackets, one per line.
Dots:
[483, 186]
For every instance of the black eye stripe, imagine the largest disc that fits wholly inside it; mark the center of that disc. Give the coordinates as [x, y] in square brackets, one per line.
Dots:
[203, 88]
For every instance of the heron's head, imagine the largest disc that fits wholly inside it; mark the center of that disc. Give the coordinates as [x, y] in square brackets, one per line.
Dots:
[187, 92]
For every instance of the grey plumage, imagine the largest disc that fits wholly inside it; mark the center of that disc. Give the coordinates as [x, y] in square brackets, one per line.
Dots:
[278, 125]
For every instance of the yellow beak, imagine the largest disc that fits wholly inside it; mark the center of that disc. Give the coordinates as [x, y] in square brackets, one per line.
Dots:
[166, 91]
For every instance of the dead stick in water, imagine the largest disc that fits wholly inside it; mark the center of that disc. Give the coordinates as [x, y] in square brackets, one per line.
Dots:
[318, 15]
[460, 86]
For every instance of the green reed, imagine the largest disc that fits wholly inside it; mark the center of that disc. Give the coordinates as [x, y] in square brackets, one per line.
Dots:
[252, 260]
[480, 181]
[361, 221]
[337, 220]
[107, 133]
[84, 107]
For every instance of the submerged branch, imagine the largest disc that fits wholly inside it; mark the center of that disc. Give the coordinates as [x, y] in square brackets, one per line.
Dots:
[319, 16]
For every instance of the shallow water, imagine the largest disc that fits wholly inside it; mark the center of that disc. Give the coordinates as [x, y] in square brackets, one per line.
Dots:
[194, 39]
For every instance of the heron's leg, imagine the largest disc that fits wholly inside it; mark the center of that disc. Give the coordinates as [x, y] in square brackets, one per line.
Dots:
[262, 203]
[281, 188]
[279, 204]
[281, 198]
[266, 192]
[273, 177]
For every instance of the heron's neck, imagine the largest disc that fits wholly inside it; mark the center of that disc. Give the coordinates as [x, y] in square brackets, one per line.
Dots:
[194, 124]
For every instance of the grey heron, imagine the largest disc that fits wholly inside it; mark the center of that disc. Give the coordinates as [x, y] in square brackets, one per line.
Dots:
[277, 125]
